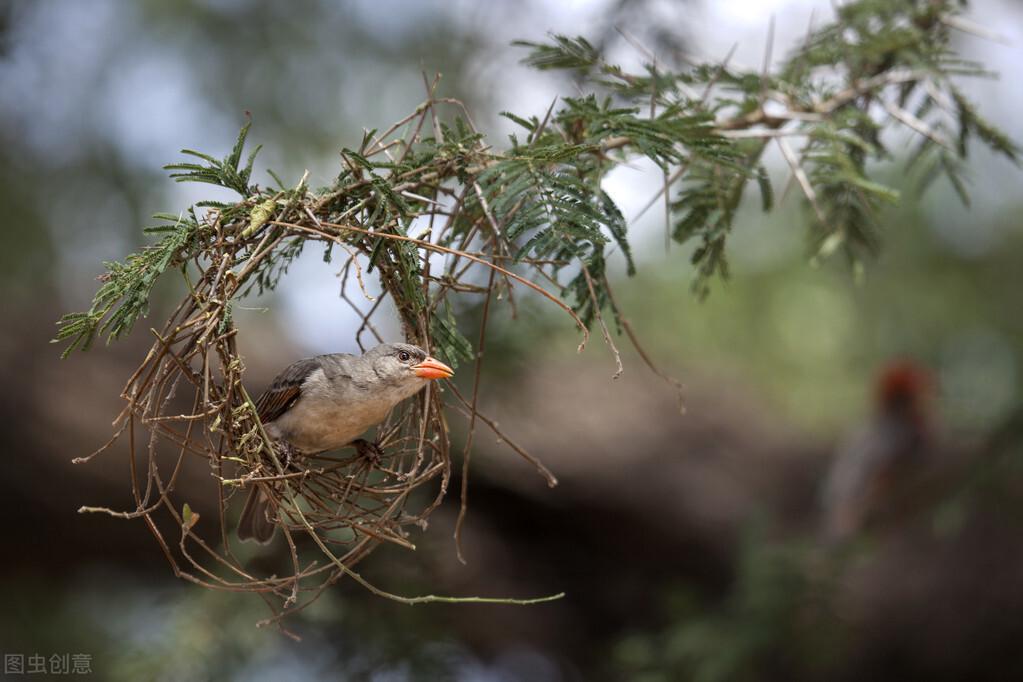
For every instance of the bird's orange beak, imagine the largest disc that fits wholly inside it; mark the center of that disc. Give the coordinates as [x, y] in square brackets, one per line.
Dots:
[433, 369]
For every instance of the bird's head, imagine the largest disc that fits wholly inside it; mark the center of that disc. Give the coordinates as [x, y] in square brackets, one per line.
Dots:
[904, 386]
[407, 365]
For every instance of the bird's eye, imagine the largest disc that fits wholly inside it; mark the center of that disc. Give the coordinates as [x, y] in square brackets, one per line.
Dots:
[404, 356]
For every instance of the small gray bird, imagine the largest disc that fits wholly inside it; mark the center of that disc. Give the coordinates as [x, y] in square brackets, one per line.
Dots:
[328, 401]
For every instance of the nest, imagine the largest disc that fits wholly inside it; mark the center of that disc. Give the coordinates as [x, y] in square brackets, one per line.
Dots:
[332, 510]
[346, 505]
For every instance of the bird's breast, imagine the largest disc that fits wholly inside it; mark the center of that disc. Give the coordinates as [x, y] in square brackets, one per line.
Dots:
[311, 426]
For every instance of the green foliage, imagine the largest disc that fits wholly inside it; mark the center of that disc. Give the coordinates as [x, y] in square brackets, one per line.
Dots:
[564, 53]
[539, 204]
[706, 208]
[972, 124]
[448, 342]
[225, 173]
[878, 51]
[124, 295]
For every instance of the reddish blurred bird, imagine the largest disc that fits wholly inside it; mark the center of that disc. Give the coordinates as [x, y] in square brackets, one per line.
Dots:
[880, 461]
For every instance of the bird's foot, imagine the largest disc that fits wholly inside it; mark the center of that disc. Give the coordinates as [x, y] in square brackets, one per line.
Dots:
[368, 451]
[286, 453]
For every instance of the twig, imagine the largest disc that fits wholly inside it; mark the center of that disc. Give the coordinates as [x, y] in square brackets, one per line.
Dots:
[444, 249]
[800, 175]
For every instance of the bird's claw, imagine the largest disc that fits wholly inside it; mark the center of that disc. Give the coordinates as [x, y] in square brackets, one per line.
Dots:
[369, 451]
[286, 452]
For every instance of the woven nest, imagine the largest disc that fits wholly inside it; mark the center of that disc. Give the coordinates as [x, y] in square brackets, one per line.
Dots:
[346, 505]
[334, 509]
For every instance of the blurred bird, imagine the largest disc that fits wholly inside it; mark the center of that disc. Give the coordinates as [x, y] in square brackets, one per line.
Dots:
[328, 401]
[883, 457]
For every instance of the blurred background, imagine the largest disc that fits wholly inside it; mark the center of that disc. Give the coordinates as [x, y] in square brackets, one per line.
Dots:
[690, 546]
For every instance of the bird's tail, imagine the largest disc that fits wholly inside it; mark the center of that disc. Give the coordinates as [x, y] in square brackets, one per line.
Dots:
[255, 524]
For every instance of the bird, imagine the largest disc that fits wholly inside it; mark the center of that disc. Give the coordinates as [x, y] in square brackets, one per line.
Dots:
[882, 458]
[326, 402]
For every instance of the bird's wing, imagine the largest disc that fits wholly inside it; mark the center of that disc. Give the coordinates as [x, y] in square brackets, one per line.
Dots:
[285, 389]
[865, 467]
